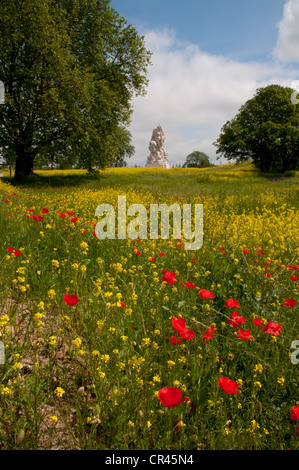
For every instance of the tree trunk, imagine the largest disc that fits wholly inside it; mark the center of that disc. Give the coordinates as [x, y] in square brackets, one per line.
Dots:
[265, 161]
[24, 164]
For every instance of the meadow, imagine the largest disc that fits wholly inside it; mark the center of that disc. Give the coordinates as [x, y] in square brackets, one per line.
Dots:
[142, 344]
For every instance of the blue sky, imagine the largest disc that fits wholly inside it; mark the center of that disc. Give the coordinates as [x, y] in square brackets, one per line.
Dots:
[239, 29]
[209, 57]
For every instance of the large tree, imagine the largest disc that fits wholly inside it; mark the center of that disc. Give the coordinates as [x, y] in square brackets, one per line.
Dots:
[70, 69]
[266, 131]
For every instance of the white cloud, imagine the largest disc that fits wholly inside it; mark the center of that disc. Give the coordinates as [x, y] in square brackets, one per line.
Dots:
[287, 48]
[192, 94]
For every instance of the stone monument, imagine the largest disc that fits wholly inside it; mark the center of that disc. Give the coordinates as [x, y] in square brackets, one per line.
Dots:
[158, 155]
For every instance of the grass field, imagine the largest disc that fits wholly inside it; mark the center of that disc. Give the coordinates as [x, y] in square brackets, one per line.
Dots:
[142, 344]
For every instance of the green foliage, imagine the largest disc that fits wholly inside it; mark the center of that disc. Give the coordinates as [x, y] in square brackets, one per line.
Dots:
[266, 131]
[70, 69]
[197, 160]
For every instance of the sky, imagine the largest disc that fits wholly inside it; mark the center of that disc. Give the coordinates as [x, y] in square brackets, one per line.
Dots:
[208, 58]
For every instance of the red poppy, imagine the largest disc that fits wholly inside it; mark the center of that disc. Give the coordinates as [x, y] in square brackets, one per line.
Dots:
[138, 252]
[209, 333]
[244, 335]
[193, 260]
[121, 304]
[222, 248]
[228, 386]
[294, 278]
[45, 211]
[289, 303]
[94, 234]
[236, 320]
[206, 294]
[152, 260]
[178, 323]
[171, 396]
[7, 201]
[30, 210]
[74, 219]
[161, 254]
[10, 249]
[245, 251]
[69, 213]
[189, 284]
[37, 217]
[258, 321]
[295, 413]
[292, 268]
[169, 277]
[187, 334]
[17, 253]
[272, 328]
[71, 299]
[62, 215]
[175, 340]
[232, 303]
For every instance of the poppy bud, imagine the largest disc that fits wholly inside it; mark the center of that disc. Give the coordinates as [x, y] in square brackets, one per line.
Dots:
[20, 436]
[258, 407]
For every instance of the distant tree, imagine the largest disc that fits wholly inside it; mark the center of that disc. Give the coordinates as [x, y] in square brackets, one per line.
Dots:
[266, 131]
[197, 159]
[70, 69]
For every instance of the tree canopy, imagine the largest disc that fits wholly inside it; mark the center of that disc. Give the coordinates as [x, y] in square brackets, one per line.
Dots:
[266, 131]
[70, 69]
[197, 159]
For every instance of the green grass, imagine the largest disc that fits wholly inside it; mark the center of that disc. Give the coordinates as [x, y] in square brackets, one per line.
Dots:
[109, 360]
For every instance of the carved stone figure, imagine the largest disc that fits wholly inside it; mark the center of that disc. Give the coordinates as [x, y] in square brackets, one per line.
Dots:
[158, 155]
